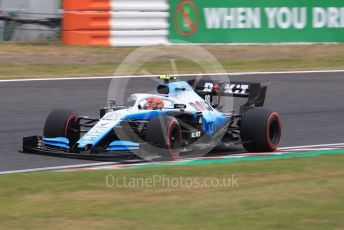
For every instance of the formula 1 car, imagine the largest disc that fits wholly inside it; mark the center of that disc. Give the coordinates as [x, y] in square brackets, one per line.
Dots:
[180, 118]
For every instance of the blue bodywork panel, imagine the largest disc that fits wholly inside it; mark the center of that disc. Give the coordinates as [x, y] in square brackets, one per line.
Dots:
[123, 146]
[213, 120]
[60, 142]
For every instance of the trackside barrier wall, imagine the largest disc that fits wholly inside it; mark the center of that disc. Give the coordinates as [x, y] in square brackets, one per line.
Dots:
[154, 22]
[115, 22]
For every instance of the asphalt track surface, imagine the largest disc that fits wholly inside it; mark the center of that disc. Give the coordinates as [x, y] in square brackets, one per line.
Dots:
[311, 106]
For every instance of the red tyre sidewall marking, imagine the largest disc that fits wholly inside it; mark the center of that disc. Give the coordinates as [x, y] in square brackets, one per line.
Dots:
[174, 155]
[270, 118]
[70, 119]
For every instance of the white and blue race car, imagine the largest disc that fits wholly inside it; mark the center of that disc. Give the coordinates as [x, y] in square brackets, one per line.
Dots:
[180, 118]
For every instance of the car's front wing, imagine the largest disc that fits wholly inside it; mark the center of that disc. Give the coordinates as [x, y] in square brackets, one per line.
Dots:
[35, 145]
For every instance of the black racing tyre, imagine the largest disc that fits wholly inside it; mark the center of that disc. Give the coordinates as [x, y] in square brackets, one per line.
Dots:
[59, 123]
[260, 130]
[164, 134]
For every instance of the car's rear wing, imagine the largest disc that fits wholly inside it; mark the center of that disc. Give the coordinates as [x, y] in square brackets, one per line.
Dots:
[207, 89]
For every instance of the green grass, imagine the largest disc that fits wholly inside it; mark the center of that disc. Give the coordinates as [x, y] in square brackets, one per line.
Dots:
[302, 193]
[23, 60]
[8, 71]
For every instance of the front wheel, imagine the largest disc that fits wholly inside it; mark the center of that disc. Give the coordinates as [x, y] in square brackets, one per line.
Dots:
[260, 130]
[62, 123]
[164, 134]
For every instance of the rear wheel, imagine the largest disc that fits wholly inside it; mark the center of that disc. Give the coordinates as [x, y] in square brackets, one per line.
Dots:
[164, 134]
[62, 123]
[260, 130]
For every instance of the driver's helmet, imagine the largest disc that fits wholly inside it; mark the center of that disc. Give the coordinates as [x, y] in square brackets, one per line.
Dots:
[153, 104]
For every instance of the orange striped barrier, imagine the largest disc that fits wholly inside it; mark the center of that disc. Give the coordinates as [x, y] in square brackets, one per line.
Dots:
[87, 38]
[86, 21]
[87, 5]
[115, 22]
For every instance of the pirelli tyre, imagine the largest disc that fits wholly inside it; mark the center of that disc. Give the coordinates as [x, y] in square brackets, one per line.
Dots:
[163, 134]
[260, 130]
[62, 123]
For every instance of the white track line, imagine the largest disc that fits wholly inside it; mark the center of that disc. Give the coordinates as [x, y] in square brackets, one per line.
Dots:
[311, 146]
[188, 159]
[58, 168]
[177, 75]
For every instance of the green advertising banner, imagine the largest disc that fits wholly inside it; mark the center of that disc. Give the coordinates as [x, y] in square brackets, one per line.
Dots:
[256, 21]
